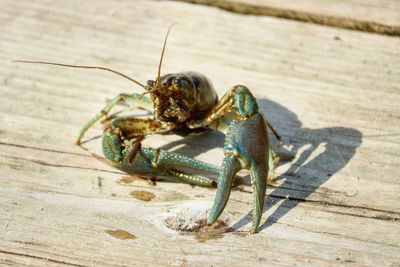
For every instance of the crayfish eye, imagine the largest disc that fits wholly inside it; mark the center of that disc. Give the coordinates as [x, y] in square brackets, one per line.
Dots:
[177, 84]
[150, 85]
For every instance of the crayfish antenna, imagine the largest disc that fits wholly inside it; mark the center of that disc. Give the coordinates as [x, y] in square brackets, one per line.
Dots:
[161, 59]
[82, 67]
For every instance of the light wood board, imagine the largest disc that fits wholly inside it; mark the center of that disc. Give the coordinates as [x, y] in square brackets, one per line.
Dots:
[332, 93]
[378, 16]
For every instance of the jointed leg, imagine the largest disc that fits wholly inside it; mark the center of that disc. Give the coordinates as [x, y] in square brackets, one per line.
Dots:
[122, 146]
[152, 162]
[170, 162]
[129, 132]
[133, 100]
[237, 99]
[174, 159]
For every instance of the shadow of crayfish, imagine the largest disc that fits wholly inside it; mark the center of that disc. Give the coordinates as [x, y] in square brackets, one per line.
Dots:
[306, 173]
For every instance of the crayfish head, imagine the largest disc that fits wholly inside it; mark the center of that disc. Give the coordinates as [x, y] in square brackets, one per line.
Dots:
[173, 99]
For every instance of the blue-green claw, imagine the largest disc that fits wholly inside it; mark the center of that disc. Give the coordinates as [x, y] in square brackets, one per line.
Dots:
[246, 147]
[132, 158]
[230, 166]
[150, 162]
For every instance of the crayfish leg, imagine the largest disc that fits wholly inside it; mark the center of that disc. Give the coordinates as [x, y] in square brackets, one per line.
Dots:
[179, 176]
[128, 131]
[151, 162]
[174, 159]
[133, 101]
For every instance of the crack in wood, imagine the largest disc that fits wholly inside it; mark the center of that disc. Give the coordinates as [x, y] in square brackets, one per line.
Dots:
[344, 206]
[326, 20]
[335, 234]
[319, 202]
[64, 166]
[41, 258]
[380, 218]
[44, 149]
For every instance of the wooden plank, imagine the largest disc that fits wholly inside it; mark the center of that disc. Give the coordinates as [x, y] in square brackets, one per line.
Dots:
[332, 93]
[371, 16]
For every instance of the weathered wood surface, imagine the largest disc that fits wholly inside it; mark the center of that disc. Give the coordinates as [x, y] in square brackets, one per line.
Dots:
[379, 16]
[332, 93]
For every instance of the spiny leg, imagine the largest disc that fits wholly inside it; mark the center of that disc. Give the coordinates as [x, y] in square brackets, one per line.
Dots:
[134, 100]
[183, 177]
[238, 98]
[140, 101]
[114, 115]
[175, 159]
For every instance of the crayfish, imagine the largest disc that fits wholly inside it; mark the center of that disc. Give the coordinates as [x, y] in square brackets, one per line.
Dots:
[181, 102]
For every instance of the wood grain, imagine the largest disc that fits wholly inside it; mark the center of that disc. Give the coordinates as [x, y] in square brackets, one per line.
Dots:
[375, 16]
[332, 93]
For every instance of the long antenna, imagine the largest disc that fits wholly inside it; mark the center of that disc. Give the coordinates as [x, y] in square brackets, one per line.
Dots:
[162, 55]
[82, 67]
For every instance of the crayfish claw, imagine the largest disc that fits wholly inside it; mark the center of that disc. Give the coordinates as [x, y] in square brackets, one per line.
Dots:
[230, 166]
[112, 146]
[258, 180]
[246, 146]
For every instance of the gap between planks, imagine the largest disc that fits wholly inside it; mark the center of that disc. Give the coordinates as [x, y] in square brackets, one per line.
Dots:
[299, 15]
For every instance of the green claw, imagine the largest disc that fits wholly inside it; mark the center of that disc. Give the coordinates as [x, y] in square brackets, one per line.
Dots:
[258, 180]
[112, 147]
[246, 147]
[230, 166]
[150, 162]
[174, 159]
